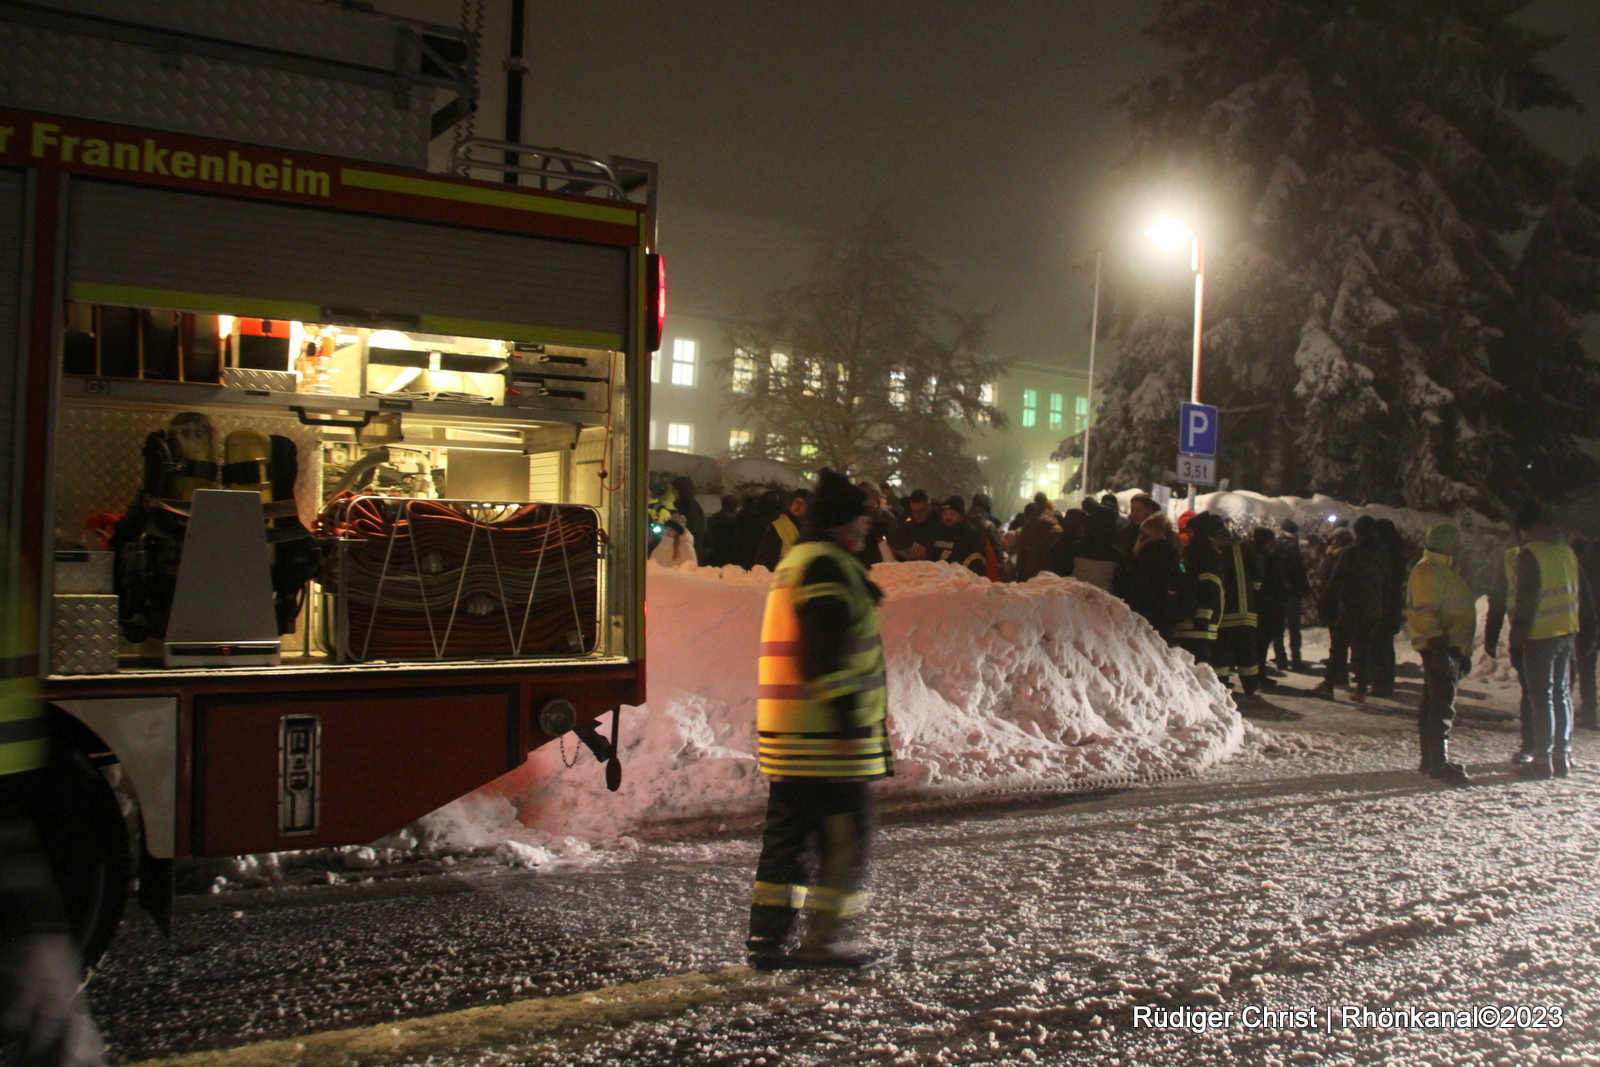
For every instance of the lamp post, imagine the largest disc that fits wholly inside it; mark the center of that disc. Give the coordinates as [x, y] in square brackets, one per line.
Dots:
[1169, 233]
[1094, 333]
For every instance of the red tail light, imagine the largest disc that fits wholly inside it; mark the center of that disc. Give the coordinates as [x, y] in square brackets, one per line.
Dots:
[657, 319]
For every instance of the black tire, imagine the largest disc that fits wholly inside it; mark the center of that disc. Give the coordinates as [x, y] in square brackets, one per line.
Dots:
[82, 831]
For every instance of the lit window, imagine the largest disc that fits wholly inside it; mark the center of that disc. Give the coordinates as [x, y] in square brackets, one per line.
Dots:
[655, 366]
[986, 392]
[1027, 488]
[808, 450]
[780, 364]
[738, 441]
[1058, 406]
[1052, 476]
[897, 388]
[813, 377]
[744, 371]
[683, 357]
[652, 433]
[1030, 408]
[1080, 405]
[680, 436]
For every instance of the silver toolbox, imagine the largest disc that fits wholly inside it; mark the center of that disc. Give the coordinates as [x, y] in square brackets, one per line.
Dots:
[83, 634]
[82, 572]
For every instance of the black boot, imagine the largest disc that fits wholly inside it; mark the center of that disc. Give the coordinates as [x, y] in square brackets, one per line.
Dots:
[1445, 771]
[770, 929]
[1537, 769]
[1431, 756]
[1560, 765]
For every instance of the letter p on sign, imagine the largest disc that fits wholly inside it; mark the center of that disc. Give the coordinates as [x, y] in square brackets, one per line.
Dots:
[1197, 430]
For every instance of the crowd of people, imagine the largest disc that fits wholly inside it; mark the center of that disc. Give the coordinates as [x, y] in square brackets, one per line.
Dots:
[1235, 602]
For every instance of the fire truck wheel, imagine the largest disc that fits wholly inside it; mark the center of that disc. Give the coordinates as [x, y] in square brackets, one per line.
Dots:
[81, 829]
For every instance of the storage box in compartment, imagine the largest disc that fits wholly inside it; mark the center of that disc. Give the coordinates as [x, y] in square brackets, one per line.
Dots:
[415, 579]
[83, 634]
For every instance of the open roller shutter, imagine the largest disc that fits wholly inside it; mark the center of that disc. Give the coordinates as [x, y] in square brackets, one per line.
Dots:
[12, 198]
[157, 248]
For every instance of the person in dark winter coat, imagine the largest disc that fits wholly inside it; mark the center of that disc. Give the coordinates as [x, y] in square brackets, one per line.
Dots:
[694, 516]
[1381, 661]
[1270, 599]
[981, 518]
[1037, 540]
[1094, 557]
[914, 537]
[1297, 587]
[881, 529]
[1355, 599]
[1153, 574]
[782, 532]
[720, 543]
[1140, 508]
[957, 542]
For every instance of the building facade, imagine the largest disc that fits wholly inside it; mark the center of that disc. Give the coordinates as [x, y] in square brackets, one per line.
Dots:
[690, 386]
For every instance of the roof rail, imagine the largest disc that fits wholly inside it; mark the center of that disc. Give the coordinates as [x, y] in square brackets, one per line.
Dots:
[553, 170]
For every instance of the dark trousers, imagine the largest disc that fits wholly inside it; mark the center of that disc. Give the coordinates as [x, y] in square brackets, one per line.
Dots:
[814, 853]
[1236, 652]
[1380, 662]
[1525, 708]
[1584, 667]
[1269, 629]
[1349, 651]
[1293, 608]
[1437, 712]
[1196, 647]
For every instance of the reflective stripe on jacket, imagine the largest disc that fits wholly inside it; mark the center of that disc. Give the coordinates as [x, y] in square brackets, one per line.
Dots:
[1202, 625]
[1557, 611]
[1239, 593]
[788, 534]
[1439, 604]
[802, 732]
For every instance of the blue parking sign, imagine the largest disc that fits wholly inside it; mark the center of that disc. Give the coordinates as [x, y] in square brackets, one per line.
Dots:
[1197, 430]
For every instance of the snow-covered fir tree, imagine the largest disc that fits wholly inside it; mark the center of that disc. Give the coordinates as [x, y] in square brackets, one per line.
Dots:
[1362, 177]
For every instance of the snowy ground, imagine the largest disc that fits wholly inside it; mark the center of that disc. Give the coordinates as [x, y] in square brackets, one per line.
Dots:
[1316, 868]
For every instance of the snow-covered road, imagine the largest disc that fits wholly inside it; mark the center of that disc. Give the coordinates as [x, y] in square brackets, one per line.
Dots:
[1317, 869]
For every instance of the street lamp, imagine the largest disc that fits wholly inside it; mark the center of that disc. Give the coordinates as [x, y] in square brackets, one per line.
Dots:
[1170, 234]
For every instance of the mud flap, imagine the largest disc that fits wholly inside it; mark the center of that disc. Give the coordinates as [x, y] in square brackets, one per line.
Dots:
[605, 751]
[156, 889]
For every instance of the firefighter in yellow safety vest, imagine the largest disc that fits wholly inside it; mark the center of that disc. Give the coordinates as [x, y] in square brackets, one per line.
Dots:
[822, 722]
[39, 967]
[1442, 617]
[1543, 603]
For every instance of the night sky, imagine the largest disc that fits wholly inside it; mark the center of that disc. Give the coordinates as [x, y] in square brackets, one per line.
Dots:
[985, 129]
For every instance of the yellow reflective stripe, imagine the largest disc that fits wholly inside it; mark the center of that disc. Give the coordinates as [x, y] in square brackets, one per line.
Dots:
[825, 899]
[181, 300]
[829, 746]
[865, 768]
[778, 895]
[821, 589]
[489, 197]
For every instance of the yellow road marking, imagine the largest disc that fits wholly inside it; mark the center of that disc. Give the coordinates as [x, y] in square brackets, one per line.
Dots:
[463, 1031]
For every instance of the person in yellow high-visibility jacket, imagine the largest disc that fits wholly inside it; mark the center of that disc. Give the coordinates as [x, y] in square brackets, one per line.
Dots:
[822, 725]
[1442, 616]
[39, 966]
[1544, 606]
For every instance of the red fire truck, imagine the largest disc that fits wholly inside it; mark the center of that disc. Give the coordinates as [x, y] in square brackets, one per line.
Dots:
[330, 474]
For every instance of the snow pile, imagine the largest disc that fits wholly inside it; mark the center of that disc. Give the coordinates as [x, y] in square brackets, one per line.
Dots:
[992, 687]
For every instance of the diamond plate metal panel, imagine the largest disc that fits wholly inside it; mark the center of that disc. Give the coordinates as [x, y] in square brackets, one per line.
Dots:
[272, 381]
[95, 78]
[100, 462]
[83, 634]
[313, 29]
